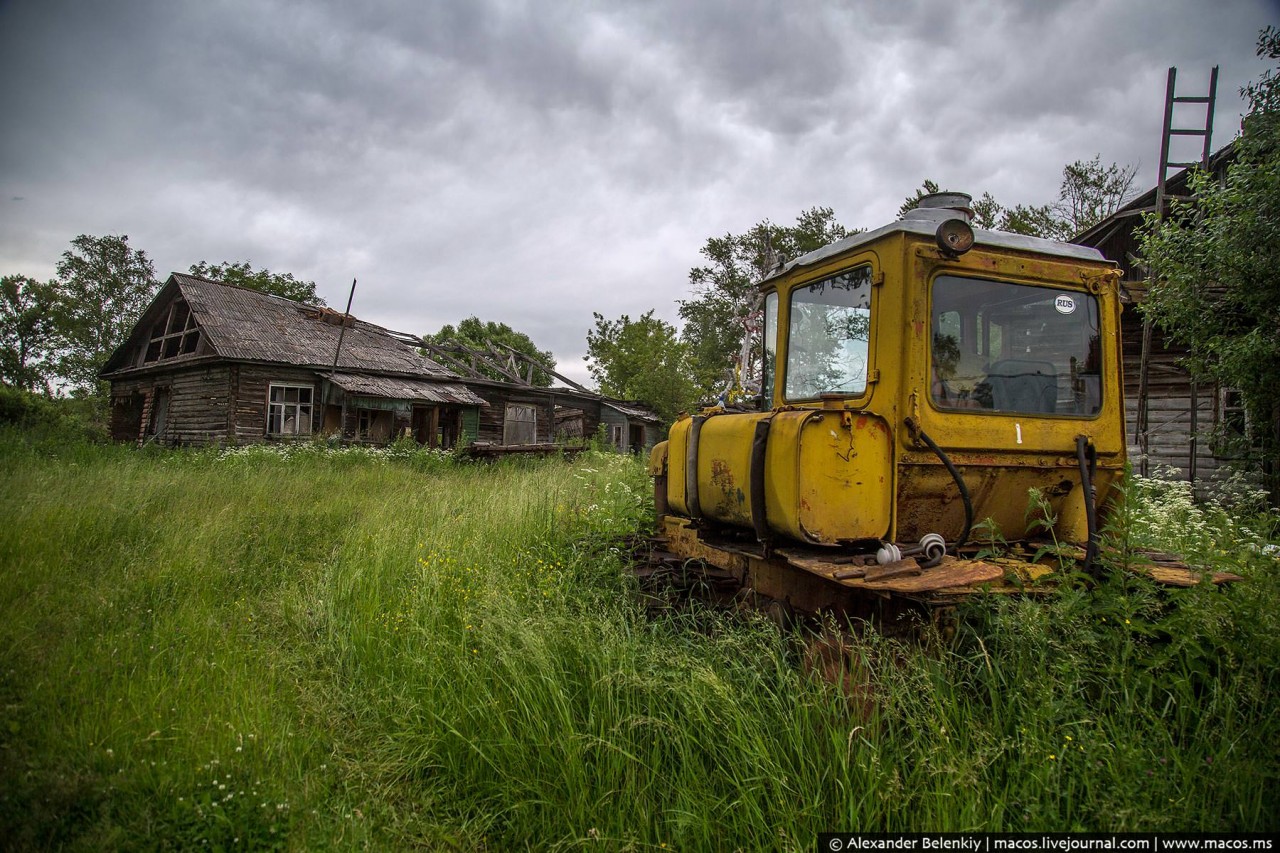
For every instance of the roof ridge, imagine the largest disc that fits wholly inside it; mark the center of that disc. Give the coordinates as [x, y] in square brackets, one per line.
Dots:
[246, 289]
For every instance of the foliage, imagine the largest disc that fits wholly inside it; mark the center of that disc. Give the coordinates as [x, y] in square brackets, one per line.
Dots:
[276, 284]
[478, 334]
[1215, 261]
[725, 295]
[1088, 194]
[641, 360]
[27, 333]
[1033, 221]
[1091, 192]
[49, 422]
[103, 286]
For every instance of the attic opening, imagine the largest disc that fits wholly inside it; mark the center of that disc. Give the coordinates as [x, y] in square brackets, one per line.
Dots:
[174, 334]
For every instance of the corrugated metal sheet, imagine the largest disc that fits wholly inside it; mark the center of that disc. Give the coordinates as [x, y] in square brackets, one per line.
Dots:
[632, 410]
[245, 324]
[397, 388]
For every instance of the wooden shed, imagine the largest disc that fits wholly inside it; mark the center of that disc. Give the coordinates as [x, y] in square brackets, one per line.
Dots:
[522, 414]
[213, 363]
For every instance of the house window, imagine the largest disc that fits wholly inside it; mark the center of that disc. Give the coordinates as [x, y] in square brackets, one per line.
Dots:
[289, 410]
[520, 426]
[1233, 434]
[373, 425]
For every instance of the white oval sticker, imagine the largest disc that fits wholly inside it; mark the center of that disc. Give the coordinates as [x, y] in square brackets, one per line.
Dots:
[1065, 304]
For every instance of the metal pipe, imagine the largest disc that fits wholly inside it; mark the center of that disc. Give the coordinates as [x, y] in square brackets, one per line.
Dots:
[1087, 457]
[955, 475]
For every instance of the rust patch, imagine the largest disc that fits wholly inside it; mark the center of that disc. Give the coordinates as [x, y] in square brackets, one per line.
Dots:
[722, 475]
[951, 573]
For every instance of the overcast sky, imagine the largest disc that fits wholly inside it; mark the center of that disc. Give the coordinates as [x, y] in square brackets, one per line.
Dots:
[533, 162]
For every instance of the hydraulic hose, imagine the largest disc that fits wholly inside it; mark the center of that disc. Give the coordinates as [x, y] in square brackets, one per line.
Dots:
[955, 475]
[1087, 457]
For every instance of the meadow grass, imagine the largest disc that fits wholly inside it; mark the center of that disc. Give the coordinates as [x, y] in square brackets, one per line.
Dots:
[312, 649]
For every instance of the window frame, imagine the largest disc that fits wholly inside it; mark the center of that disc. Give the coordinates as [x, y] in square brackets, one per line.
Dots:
[174, 335]
[983, 332]
[784, 373]
[769, 348]
[285, 405]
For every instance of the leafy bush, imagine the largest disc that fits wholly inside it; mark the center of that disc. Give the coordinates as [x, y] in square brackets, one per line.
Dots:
[51, 420]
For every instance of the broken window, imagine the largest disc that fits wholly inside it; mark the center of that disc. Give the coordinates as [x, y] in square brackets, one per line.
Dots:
[289, 410]
[373, 425]
[1233, 434]
[520, 426]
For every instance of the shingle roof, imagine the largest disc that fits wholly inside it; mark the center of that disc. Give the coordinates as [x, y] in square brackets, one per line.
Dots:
[632, 410]
[240, 323]
[243, 323]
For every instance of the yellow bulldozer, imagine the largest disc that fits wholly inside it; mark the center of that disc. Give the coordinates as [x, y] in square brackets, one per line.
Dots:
[915, 381]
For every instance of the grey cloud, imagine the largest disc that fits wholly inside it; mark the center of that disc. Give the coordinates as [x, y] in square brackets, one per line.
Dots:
[531, 163]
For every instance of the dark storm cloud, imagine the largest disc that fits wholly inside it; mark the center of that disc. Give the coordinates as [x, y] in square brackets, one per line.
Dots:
[530, 163]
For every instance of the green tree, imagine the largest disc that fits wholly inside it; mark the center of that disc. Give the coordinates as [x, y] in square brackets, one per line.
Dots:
[478, 334]
[27, 332]
[277, 284]
[1088, 194]
[103, 286]
[1091, 192]
[1034, 220]
[1215, 261]
[643, 360]
[717, 318]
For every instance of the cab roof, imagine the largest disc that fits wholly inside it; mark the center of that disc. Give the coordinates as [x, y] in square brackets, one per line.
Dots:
[924, 222]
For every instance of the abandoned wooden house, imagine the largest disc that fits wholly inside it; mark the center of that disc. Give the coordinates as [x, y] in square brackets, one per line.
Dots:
[213, 363]
[1175, 425]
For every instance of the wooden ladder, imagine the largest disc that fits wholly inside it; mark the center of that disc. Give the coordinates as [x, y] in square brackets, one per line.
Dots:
[1141, 428]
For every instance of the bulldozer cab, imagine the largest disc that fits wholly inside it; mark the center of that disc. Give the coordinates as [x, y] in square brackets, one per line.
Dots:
[1002, 349]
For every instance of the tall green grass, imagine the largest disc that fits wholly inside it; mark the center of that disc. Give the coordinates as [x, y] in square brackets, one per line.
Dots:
[311, 649]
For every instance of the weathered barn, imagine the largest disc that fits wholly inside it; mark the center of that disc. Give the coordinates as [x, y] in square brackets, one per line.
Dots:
[213, 363]
[523, 414]
[1173, 422]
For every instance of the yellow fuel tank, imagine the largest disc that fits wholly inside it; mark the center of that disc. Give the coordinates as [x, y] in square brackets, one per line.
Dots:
[821, 476]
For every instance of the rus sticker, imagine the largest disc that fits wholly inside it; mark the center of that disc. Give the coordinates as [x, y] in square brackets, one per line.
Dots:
[1065, 304]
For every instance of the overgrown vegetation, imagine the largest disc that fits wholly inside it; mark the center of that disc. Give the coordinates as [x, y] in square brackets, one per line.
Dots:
[1214, 263]
[304, 649]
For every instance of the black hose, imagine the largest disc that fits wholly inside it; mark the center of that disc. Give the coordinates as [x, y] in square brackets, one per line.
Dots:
[1087, 457]
[955, 475]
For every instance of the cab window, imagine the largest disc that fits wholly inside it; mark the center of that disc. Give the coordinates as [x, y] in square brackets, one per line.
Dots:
[828, 336]
[770, 338]
[1014, 348]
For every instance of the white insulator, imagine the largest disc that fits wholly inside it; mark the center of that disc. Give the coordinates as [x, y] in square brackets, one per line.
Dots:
[888, 553]
[933, 545]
